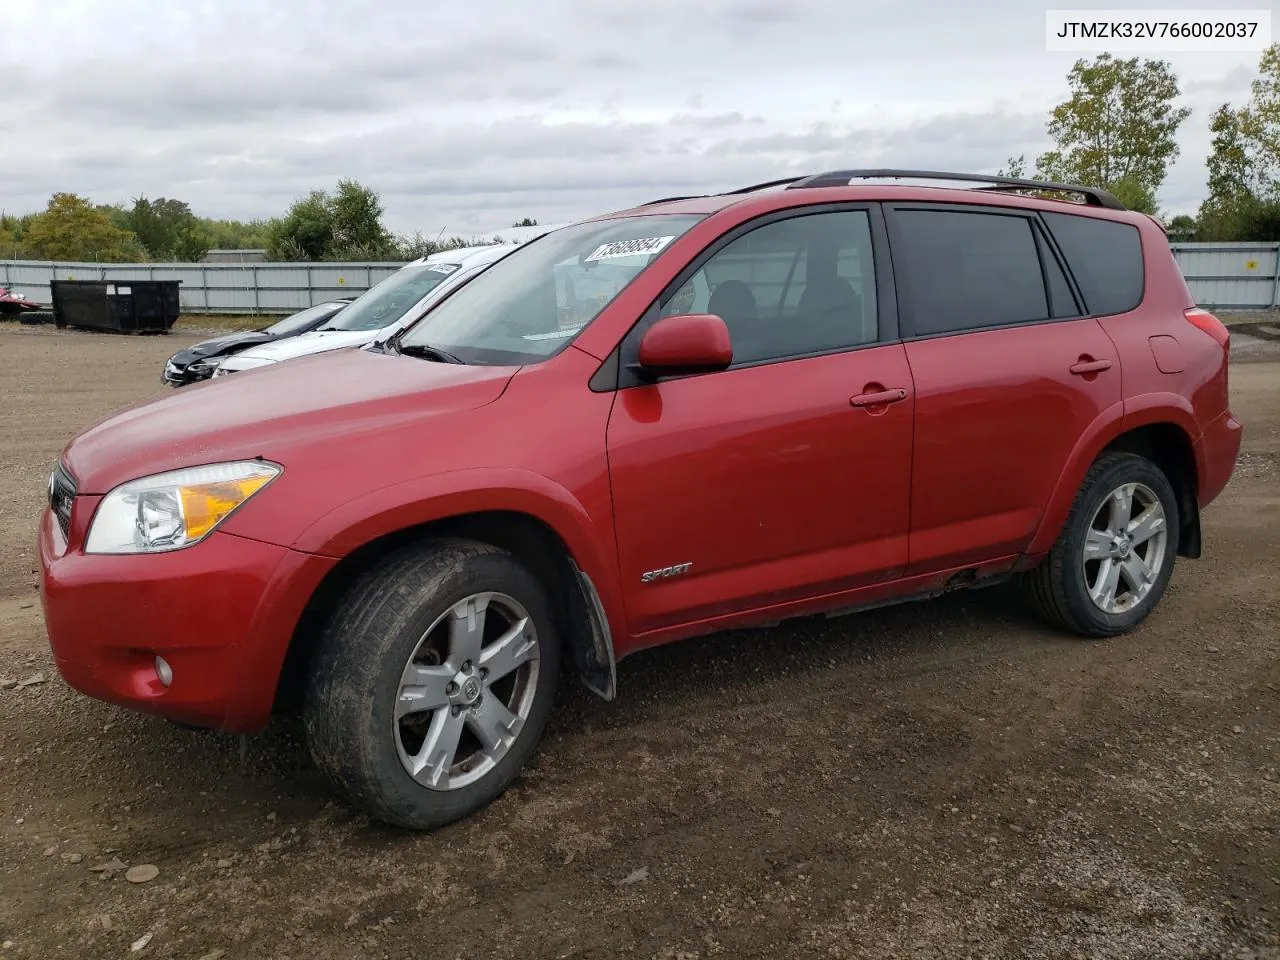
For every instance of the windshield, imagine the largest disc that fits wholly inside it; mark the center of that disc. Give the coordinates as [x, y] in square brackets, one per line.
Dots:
[303, 319]
[530, 304]
[387, 301]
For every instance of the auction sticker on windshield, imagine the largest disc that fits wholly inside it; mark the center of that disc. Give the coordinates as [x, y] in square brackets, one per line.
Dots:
[644, 246]
[442, 267]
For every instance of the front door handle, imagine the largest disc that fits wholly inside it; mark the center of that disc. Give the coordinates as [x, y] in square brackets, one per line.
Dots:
[1086, 367]
[878, 398]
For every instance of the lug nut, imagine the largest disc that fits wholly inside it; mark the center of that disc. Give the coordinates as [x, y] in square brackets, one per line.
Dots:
[451, 688]
[466, 666]
[457, 710]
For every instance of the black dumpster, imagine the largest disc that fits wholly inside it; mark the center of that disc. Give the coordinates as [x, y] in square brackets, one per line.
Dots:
[122, 306]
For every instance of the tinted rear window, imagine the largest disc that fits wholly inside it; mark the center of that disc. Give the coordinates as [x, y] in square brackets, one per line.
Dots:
[969, 270]
[1105, 257]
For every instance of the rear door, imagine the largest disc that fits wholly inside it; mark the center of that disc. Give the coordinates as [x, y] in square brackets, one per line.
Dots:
[770, 481]
[1008, 373]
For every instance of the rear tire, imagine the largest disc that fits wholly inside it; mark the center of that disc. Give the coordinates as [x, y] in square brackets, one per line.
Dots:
[432, 683]
[33, 318]
[1102, 578]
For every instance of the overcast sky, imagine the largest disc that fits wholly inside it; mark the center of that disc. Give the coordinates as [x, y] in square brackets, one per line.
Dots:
[466, 116]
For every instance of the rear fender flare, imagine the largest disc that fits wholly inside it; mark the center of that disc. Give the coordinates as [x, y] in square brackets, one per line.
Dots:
[1114, 421]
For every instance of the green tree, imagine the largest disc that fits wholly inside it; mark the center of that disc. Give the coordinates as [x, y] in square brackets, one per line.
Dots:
[305, 232]
[1117, 130]
[1182, 227]
[358, 233]
[168, 229]
[1015, 168]
[237, 234]
[526, 222]
[1244, 163]
[412, 247]
[1134, 194]
[344, 225]
[13, 230]
[72, 228]
[1260, 123]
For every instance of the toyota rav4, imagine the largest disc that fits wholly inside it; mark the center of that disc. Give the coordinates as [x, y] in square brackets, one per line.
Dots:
[800, 398]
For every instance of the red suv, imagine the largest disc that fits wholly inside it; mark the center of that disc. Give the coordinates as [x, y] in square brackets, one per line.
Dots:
[804, 397]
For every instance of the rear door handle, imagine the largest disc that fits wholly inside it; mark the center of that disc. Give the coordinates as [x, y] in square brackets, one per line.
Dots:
[880, 398]
[1089, 366]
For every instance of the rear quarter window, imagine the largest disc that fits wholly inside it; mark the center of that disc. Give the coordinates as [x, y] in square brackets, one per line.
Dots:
[1104, 256]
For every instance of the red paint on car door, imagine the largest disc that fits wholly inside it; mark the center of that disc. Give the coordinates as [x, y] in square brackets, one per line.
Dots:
[768, 480]
[998, 412]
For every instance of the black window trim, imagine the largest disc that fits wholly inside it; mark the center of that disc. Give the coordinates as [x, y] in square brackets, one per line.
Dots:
[1066, 263]
[906, 311]
[1045, 247]
[616, 372]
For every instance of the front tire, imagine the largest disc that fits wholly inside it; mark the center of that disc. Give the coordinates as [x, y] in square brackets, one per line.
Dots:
[1113, 559]
[432, 683]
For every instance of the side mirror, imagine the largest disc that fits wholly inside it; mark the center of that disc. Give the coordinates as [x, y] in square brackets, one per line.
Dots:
[687, 343]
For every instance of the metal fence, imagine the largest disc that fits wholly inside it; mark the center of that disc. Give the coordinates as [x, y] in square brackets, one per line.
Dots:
[1231, 276]
[212, 287]
[1240, 276]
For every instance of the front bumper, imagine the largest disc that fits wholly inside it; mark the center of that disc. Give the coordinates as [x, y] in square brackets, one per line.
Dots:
[221, 612]
[174, 375]
[180, 375]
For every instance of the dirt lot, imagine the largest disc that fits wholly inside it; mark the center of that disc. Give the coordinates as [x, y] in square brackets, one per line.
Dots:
[939, 780]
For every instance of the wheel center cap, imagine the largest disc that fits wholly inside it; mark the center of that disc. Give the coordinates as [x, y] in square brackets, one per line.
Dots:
[1123, 547]
[471, 690]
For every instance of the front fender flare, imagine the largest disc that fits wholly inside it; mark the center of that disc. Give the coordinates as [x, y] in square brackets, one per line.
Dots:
[421, 500]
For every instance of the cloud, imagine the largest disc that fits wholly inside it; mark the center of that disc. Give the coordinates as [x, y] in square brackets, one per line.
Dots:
[467, 117]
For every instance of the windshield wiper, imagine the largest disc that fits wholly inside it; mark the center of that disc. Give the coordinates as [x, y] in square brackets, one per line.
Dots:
[426, 352]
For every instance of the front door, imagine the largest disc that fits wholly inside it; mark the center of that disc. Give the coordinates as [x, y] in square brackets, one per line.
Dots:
[772, 480]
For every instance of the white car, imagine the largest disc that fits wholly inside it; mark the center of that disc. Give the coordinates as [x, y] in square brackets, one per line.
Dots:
[380, 312]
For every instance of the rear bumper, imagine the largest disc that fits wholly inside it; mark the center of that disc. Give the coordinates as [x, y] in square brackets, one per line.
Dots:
[221, 613]
[1216, 455]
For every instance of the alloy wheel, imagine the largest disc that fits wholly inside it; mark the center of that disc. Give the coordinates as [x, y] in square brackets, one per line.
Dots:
[466, 691]
[1124, 549]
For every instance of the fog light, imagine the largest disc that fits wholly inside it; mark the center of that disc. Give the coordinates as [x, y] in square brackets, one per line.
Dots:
[164, 671]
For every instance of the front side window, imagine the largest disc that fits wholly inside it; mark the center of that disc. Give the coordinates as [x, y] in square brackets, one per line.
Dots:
[534, 301]
[389, 300]
[792, 287]
[966, 271]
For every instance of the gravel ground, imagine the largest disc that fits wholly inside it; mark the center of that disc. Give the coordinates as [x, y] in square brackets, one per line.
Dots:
[937, 780]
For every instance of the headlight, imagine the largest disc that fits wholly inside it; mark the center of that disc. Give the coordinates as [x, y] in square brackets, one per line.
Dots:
[173, 510]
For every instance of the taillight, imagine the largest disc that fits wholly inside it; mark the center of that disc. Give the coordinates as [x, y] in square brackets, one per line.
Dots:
[1211, 325]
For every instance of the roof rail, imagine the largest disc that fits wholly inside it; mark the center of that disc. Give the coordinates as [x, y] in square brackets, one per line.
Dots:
[1093, 196]
[727, 193]
[761, 186]
[692, 196]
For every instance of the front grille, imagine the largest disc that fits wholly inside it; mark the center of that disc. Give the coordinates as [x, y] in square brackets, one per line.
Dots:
[62, 491]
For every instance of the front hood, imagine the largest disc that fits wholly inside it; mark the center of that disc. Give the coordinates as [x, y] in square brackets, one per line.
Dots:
[268, 412]
[221, 345]
[305, 344]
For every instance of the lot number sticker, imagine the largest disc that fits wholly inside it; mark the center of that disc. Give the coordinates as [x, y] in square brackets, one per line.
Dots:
[442, 267]
[644, 246]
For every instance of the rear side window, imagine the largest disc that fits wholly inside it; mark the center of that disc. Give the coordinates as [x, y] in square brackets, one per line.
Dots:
[969, 270]
[1104, 256]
